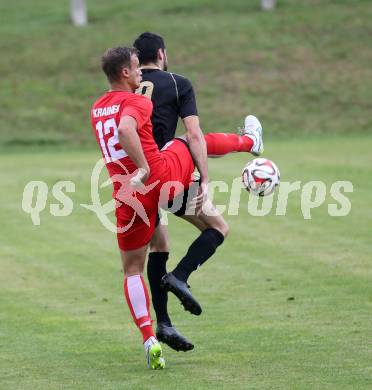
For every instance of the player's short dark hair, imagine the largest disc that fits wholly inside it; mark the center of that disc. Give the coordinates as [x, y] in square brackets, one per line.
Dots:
[148, 45]
[115, 59]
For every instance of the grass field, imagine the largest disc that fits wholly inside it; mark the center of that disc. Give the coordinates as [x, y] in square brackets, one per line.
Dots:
[305, 68]
[287, 301]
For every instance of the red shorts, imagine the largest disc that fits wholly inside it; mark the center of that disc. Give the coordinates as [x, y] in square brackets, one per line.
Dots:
[136, 222]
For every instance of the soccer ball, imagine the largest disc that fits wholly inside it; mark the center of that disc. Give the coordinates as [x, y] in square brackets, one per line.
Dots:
[260, 177]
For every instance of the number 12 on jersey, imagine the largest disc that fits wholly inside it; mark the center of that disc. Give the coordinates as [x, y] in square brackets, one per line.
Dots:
[109, 140]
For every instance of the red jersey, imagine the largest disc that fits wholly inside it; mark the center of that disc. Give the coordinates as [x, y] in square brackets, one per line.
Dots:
[106, 113]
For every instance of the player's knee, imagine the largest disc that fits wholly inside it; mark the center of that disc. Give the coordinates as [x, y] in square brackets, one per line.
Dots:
[162, 247]
[160, 244]
[222, 226]
[133, 266]
[160, 240]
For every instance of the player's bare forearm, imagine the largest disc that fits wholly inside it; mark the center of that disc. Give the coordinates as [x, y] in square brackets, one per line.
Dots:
[198, 149]
[197, 144]
[130, 142]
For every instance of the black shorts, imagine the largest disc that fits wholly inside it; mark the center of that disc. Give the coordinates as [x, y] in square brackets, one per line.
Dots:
[189, 192]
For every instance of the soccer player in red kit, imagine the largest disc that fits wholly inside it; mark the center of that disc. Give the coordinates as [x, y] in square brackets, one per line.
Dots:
[123, 129]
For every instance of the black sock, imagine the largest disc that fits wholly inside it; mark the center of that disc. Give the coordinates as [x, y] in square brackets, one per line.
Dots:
[156, 269]
[199, 252]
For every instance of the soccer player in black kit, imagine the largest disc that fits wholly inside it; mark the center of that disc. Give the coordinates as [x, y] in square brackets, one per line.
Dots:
[173, 97]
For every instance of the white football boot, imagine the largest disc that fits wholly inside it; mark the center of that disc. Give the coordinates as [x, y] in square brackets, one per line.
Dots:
[253, 130]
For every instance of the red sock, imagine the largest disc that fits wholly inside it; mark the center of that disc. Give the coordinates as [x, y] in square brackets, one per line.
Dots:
[219, 144]
[138, 301]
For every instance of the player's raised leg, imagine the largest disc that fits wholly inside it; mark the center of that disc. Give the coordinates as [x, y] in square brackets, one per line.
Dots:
[249, 140]
[156, 269]
[138, 300]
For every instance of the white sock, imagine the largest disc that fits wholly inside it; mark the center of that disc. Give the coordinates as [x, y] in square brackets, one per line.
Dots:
[150, 341]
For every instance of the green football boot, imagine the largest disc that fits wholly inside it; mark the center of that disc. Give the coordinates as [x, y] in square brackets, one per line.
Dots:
[154, 354]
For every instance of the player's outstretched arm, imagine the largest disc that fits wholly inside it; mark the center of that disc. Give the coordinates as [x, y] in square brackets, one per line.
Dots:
[198, 151]
[130, 142]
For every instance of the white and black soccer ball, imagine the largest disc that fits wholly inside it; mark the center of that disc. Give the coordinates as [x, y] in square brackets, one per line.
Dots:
[260, 177]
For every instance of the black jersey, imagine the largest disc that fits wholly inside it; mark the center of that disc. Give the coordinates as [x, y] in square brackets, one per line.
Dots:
[172, 96]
